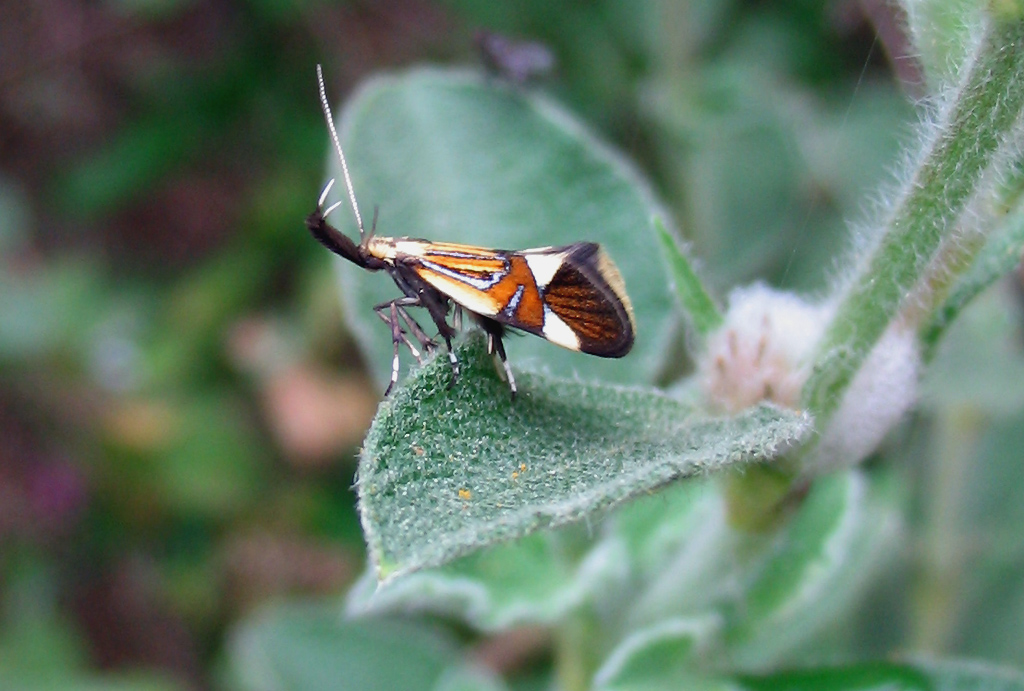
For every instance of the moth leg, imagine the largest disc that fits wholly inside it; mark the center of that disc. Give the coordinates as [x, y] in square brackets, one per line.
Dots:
[387, 319]
[397, 338]
[438, 309]
[495, 331]
[426, 341]
[393, 313]
[454, 361]
[500, 348]
[424, 295]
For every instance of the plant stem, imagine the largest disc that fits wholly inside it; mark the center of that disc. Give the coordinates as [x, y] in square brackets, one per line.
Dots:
[978, 122]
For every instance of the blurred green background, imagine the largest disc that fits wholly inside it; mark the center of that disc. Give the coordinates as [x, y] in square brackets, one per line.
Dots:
[180, 403]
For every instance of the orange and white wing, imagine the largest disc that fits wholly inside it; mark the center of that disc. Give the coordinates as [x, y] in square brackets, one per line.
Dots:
[572, 296]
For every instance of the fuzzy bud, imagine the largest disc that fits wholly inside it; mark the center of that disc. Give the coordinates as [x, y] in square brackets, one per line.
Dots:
[763, 350]
[880, 394]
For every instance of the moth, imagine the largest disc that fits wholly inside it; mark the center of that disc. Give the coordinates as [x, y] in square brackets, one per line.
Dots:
[573, 295]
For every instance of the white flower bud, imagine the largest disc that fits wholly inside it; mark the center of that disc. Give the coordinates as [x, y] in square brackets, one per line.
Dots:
[882, 391]
[762, 352]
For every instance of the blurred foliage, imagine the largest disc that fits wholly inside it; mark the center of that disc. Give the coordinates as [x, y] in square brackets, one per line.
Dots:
[180, 405]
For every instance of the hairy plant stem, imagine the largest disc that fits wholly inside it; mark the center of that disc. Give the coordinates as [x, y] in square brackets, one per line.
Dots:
[979, 120]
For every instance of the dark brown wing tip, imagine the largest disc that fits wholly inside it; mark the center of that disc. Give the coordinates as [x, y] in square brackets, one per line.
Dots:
[588, 293]
[617, 349]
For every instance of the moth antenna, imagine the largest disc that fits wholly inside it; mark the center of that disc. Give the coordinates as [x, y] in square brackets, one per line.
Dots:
[373, 226]
[337, 147]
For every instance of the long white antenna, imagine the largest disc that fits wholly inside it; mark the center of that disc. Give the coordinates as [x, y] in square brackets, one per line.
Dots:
[337, 147]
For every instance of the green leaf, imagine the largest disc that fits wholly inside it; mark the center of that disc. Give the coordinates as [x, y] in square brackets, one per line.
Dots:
[659, 657]
[736, 166]
[679, 551]
[693, 296]
[450, 156]
[467, 678]
[774, 594]
[309, 646]
[739, 156]
[999, 256]
[814, 568]
[534, 580]
[445, 471]
[655, 527]
[920, 675]
[977, 127]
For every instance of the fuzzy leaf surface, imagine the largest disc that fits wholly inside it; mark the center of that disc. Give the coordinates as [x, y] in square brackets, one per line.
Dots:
[309, 646]
[445, 471]
[534, 580]
[979, 127]
[923, 675]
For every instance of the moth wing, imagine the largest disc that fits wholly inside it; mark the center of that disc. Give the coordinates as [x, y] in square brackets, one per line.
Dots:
[586, 293]
[573, 296]
[466, 274]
